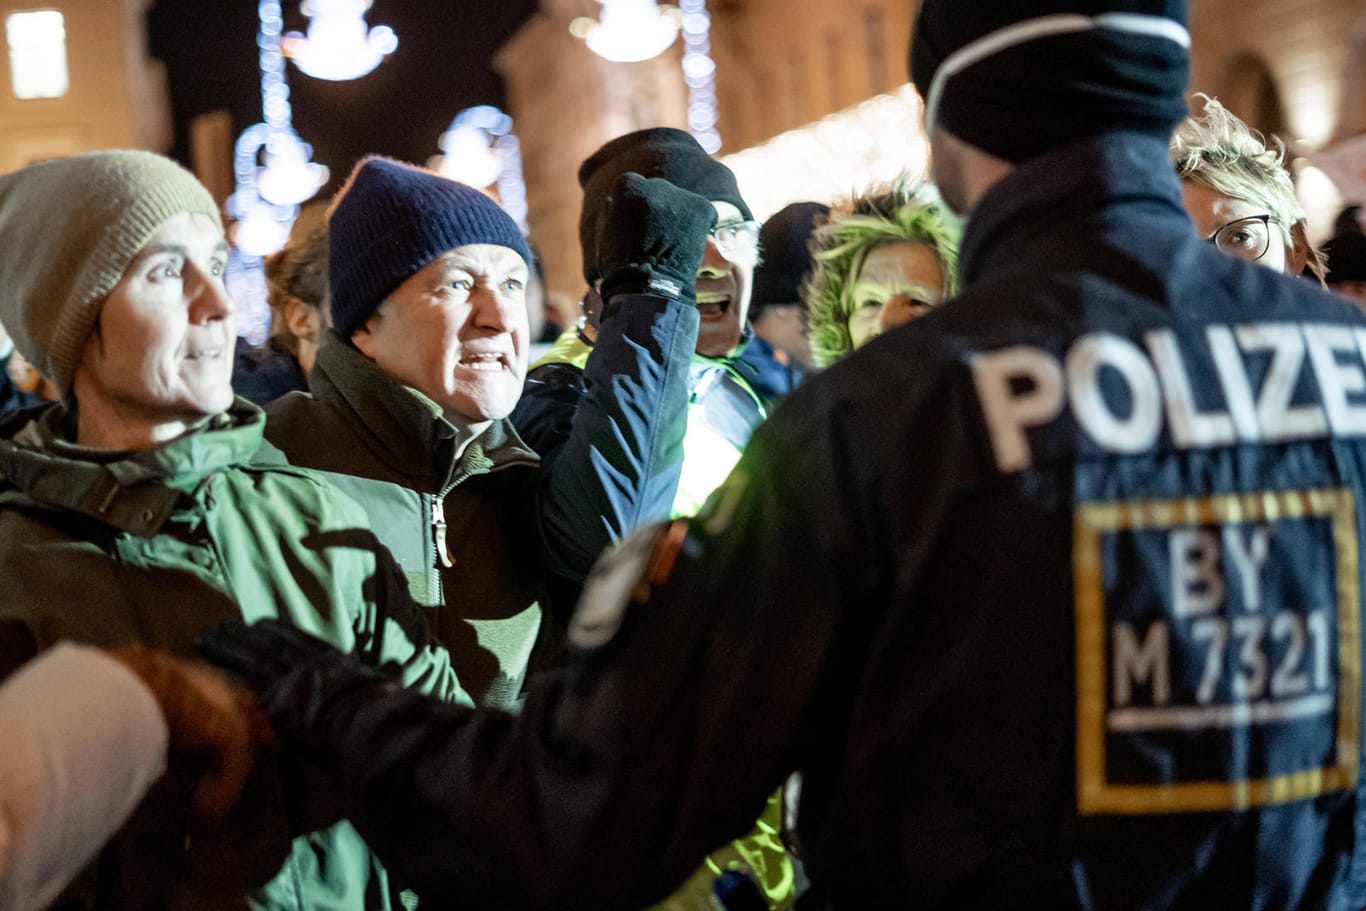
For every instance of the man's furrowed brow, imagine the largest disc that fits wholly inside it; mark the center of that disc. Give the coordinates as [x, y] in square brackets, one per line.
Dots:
[466, 263]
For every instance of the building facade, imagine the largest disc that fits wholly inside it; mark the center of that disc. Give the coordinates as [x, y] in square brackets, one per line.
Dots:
[565, 101]
[77, 78]
[1294, 69]
[804, 83]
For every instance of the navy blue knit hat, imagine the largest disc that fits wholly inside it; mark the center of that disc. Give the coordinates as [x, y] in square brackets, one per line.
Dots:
[657, 152]
[390, 220]
[785, 256]
[1016, 79]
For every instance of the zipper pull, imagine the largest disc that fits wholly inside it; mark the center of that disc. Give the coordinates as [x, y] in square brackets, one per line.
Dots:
[439, 529]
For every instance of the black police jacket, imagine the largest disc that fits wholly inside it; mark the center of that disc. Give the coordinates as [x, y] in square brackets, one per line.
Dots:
[1052, 596]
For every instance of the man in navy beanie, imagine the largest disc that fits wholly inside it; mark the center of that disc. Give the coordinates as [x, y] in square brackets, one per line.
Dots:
[409, 404]
[1053, 596]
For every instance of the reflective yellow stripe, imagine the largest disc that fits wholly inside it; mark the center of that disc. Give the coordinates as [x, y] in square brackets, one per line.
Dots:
[568, 349]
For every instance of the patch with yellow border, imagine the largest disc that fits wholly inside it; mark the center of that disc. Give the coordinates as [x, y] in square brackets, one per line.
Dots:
[1218, 651]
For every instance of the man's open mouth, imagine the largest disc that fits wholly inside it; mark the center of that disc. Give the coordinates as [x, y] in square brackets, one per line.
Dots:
[713, 307]
[484, 361]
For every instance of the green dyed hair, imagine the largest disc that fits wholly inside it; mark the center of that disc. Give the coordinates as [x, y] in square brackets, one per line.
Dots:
[905, 211]
[1220, 152]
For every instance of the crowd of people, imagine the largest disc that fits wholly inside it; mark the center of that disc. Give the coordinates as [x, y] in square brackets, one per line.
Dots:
[985, 540]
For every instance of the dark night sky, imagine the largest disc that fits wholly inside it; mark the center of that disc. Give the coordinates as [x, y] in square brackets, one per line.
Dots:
[440, 67]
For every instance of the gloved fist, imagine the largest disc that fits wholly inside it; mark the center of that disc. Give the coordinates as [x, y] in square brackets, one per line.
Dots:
[297, 675]
[264, 652]
[651, 237]
[206, 716]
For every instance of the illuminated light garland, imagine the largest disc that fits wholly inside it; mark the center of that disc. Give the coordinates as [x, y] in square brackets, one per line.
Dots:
[699, 74]
[630, 31]
[266, 199]
[481, 151]
[338, 45]
[245, 282]
[627, 31]
[288, 177]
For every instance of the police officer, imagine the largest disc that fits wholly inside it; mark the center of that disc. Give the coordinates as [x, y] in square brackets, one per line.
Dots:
[1052, 596]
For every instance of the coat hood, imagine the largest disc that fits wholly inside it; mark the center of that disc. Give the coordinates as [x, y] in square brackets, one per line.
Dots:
[134, 491]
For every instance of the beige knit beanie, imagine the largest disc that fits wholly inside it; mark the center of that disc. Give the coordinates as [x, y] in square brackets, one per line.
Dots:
[69, 227]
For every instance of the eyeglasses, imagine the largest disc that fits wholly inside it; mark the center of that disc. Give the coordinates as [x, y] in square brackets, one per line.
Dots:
[1247, 239]
[734, 237]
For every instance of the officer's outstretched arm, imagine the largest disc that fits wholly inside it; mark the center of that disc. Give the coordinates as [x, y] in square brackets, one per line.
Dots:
[709, 658]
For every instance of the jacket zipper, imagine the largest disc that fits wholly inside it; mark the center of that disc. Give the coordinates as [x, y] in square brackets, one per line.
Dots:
[439, 531]
[439, 515]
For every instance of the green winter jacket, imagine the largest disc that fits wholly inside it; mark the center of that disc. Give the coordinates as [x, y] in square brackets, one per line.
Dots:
[458, 520]
[156, 545]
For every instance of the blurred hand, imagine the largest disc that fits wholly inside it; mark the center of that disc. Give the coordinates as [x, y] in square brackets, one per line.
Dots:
[295, 674]
[652, 237]
[264, 652]
[206, 717]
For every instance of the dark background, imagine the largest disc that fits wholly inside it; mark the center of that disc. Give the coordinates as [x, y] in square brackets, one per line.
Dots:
[441, 66]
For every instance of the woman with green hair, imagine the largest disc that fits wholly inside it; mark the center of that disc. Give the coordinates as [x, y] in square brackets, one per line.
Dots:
[881, 260]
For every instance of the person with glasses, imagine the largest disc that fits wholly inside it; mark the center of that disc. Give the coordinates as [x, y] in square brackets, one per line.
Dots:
[1053, 596]
[721, 408]
[660, 251]
[883, 259]
[1239, 194]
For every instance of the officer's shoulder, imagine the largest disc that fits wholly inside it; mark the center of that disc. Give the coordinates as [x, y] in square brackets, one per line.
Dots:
[891, 375]
[1312, 301]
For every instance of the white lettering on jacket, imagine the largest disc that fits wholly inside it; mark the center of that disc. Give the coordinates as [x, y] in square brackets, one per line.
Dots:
[1023, 387]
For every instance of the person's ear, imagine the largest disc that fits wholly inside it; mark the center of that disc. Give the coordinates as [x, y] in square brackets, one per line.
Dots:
[1298, 255]
[364, 337]
[303, 320]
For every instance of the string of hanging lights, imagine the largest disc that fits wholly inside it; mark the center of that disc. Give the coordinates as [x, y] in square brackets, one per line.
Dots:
[480, 149]
[339, 45]
[631, 31]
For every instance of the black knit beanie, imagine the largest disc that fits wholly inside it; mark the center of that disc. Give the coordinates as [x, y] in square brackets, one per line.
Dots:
[1016, 79]
[785, 255]
[390, 220]
[657, 152]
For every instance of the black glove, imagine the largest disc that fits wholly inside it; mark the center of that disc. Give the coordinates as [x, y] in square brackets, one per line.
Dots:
[651, 238]
[298, 676]
[264, 652]
[17, 646]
